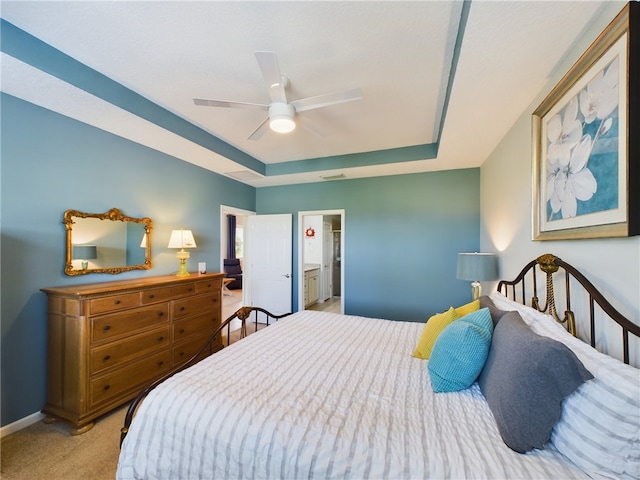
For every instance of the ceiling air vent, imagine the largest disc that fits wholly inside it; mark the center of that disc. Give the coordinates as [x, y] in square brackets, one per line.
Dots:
[244, 175]
[333, 177]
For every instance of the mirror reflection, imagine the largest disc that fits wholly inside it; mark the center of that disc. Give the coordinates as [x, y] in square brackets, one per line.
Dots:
[106, 243]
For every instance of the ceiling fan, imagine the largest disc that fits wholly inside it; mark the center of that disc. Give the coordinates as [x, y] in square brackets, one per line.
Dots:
[282, 113]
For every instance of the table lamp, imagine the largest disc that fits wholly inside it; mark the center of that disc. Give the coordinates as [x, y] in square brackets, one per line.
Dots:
[477, 267]
[182, 239]
[84, 253]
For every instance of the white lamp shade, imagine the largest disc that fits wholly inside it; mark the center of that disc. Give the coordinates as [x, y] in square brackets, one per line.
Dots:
[181, 239]
[477, 266]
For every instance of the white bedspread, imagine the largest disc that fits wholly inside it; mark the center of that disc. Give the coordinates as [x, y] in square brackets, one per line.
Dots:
[322, 395]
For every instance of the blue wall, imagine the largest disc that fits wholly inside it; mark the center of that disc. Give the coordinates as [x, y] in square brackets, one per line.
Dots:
[402, 232]
[51, 163]
[402, 237]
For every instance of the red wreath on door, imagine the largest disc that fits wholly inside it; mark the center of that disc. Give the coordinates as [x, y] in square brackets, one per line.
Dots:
[310, 232]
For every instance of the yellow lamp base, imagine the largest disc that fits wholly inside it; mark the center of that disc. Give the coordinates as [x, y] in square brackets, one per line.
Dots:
[182, 270]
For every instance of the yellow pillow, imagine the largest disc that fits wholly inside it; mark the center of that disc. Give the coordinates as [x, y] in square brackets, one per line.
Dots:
[468, 308]
[434, 326]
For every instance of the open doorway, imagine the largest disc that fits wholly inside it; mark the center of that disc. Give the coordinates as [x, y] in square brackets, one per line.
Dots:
[321, 262]
[233, 292]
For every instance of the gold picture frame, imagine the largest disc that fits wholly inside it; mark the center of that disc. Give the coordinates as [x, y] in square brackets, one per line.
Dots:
[131, 234]
[586, 170]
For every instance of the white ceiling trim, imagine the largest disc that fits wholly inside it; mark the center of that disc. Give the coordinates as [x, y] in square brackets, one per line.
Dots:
[510, 53]
[28, 83]
[35, 86]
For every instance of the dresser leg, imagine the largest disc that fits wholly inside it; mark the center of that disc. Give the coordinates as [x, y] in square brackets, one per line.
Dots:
[49, 420]
[82, 429]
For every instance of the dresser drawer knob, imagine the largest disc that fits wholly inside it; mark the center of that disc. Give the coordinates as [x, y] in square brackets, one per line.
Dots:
[182, 309]
[107, 358]
[181, 354]
[117, 302]
[160, 339]
[181, 331]
[106, 387]
[152, 296]
[160, 363]
[160, 314]
[106, 328]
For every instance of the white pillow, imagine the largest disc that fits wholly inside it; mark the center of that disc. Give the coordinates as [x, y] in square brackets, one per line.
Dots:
[530, 315]
[599, 429]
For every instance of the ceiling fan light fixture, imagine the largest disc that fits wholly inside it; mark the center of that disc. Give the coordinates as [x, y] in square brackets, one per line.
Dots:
[281, 117]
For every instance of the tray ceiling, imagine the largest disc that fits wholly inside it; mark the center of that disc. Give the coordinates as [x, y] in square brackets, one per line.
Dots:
[442, 81]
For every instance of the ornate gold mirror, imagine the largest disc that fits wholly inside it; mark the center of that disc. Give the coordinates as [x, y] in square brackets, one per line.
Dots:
[106, 242]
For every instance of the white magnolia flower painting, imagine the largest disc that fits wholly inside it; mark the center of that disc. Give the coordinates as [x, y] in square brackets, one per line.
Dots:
[582, 150]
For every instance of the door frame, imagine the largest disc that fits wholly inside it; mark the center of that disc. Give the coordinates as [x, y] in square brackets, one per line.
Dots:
[224, 210]
[300, 236]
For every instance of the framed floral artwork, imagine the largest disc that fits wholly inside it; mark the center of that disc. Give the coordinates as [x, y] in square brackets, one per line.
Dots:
[586, 141]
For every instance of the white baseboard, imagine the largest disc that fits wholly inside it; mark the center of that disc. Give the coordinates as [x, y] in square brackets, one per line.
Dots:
[20, 424]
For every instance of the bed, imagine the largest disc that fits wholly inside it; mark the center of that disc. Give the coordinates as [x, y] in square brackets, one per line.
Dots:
[321, 395]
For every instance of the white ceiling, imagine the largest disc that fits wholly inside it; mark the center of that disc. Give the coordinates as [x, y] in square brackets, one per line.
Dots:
[399, 53]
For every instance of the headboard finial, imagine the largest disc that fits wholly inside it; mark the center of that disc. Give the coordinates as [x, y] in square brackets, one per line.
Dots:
[547, 263]
[244, 312]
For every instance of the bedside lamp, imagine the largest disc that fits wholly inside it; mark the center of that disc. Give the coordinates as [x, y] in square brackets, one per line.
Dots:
[84, 253]
[477, 267]
[182, 239]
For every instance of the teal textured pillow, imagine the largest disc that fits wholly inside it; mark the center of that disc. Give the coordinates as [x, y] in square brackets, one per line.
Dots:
[460, 352]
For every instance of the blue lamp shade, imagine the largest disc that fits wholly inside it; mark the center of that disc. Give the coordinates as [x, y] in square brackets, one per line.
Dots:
[84, 252]
[477, 267]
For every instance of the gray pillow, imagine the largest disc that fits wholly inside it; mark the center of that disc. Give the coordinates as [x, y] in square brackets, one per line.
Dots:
[496, 314]
[525, 379]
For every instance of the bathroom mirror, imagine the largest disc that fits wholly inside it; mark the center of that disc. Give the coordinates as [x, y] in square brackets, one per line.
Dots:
[106, 242]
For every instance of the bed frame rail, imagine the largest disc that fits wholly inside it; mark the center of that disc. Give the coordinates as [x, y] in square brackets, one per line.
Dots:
[243, 314]
[550, 264]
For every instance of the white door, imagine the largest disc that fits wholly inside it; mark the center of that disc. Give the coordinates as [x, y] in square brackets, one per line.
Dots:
[267, 262]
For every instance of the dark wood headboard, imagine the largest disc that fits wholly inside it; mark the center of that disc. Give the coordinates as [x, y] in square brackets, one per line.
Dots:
[549, 264]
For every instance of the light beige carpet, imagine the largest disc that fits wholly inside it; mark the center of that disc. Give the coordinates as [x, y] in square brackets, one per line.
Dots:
[48, 452]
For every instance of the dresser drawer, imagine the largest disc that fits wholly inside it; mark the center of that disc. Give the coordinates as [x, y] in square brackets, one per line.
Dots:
[203, 324]
[208, 285]
[201, 303]
[117, 353]
[108, 340]
[114, 302]
[184, 351]
[107, 327]
[167, 293]
[131, 377]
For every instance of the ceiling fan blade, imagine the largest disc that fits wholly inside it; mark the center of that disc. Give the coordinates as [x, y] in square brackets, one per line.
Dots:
[268, 62]
[304, 123]
[259, 132]
[203, 102]
[326, 100]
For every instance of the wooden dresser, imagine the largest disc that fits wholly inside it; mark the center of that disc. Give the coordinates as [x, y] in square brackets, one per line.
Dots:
[108, 340]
